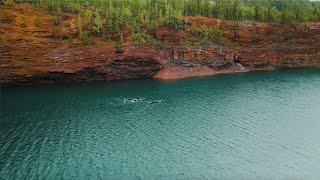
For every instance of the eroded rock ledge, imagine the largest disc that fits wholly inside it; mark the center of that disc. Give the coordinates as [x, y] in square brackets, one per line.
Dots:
[34, 49]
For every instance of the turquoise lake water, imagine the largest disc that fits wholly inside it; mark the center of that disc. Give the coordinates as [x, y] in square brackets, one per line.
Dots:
[242, 126]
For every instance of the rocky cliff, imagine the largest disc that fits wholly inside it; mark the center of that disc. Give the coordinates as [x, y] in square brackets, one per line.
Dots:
[36, 47]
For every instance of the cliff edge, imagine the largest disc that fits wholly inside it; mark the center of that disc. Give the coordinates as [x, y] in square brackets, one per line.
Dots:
[36, 47]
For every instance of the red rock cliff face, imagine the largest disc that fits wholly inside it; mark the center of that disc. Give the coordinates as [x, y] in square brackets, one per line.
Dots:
[34, 48]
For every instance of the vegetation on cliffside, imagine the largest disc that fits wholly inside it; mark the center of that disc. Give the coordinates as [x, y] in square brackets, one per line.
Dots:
[39, 45]
[107, 18]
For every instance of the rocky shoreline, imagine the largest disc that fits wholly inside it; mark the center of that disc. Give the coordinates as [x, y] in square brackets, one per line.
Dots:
[34, 49]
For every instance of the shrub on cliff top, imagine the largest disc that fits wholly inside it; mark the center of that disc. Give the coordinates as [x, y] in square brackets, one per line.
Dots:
[111, 15]
[171, 10]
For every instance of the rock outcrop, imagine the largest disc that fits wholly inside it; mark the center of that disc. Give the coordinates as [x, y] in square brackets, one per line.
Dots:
[35, 46]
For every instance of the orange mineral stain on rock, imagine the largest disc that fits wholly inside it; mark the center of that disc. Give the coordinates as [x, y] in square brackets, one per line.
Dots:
[36, 46]
[178, 72]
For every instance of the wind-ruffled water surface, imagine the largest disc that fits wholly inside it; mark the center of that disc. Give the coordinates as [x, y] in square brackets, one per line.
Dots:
[252, 125]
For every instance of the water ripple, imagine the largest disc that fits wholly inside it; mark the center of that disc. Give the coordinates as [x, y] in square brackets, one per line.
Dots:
[249, 126]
